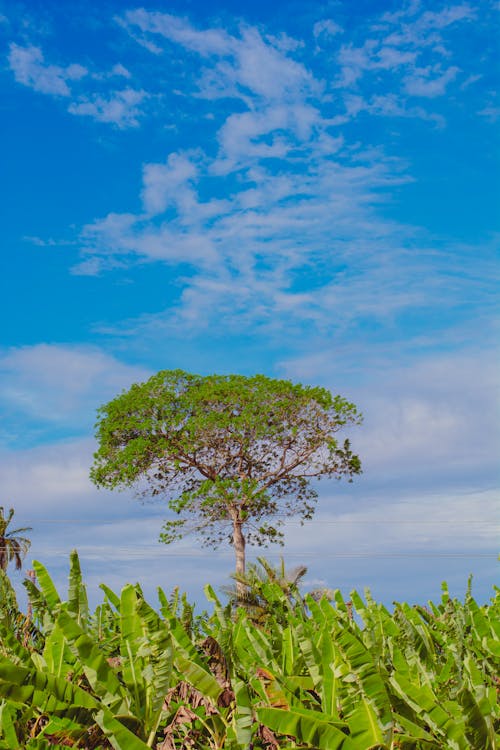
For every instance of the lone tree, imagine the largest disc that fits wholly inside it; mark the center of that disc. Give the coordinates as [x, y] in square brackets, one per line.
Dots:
[234, 455]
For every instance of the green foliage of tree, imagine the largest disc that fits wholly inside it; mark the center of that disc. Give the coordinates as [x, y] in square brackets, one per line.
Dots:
[234, 455]
[13, 548]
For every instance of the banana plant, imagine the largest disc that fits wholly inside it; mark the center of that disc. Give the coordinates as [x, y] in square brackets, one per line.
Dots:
[122, 695]
[341, 675]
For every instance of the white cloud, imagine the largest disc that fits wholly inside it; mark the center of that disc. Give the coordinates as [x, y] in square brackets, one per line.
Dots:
[226, 240]
[120, 70]
[29, 68]
[371, 56]
[272, 133]
[430, 422]
[61, 383]
[408, 46]
[250, 250]
[459, 521]
[241, 66]
[179, 30]
[390, 105]
[268, 72]
[49, 481]
[296, 193]
[120, 108]
[117, 71]
[490, 112]
[327, 27]
[425, 82]
[411, 27]
[169, 184]
[120, 235]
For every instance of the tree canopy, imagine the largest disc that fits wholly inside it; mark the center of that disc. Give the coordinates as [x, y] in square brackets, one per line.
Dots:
[233, 455]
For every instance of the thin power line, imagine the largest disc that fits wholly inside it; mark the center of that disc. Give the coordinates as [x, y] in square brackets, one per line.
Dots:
[137, 553]
[310, 522]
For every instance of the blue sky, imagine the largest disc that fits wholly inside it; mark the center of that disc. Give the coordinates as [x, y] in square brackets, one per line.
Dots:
[308, 190]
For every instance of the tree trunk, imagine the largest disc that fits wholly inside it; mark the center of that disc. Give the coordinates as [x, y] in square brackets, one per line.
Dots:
[239, 548]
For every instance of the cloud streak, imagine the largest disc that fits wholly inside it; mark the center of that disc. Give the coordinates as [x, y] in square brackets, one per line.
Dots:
[29, 68]
[119, 107]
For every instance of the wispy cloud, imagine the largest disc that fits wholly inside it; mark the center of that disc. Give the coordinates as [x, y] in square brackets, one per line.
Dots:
[170, 184]
[30, 68]
[280, 187]
[391, 105]
[404, 51]
[246, 246]
[251, 253]
[237, 65]
[425, 82]
[490, 113]
[417, 27]
[327, 28]
[51, 386]
[459, 522]
[293, 189]
[423, 419]
[120, 107]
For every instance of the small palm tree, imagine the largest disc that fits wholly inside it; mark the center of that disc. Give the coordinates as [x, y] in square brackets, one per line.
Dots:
[251, 594]
[12, 546]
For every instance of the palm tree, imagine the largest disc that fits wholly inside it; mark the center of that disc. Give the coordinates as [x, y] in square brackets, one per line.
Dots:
[251, 593]
[12, 546]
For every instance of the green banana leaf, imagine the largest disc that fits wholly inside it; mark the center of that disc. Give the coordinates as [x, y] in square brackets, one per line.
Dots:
[306, 727]
[77, 593]
[46, 586]
[100, 675]
[365, 728]
[7, 728]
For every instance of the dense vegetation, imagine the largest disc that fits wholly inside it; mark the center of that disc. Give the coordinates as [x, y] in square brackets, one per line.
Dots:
[304, 674]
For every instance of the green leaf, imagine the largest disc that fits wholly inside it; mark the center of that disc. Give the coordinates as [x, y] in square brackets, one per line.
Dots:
[41, 690]
[414, 731]
[199, 677]
[425, 705]
[362, 664]
[365, 727]
[306, 727]
[119, 736]
[57, 657]
[100, 675]
[110, 594]
[131, 635]
[77, 594]
[46, 585]
[479, 726]
[7, 729]
[158, 670]
[243, 714]
[40, 743]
